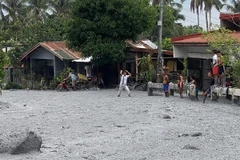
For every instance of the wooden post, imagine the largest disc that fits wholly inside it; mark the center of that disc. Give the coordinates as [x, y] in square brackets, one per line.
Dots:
[136, 60]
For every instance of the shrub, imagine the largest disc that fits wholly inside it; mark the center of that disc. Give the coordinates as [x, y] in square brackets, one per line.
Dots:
[11, 85]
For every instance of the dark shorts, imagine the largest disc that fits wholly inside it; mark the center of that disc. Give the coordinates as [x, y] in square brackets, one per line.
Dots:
[165, 87]
[221, 69]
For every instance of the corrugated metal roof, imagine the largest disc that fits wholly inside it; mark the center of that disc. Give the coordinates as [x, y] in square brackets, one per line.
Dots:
[142, 46]
[59, 49]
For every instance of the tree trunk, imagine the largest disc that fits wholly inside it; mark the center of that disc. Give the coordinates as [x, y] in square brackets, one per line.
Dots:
[198, 21]
[210, 20]
[206, 18]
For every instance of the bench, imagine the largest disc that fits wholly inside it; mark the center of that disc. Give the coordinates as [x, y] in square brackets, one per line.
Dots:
[190, 89]
[151, 86]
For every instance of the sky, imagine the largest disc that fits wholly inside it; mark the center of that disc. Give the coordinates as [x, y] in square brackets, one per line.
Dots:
[191, 18]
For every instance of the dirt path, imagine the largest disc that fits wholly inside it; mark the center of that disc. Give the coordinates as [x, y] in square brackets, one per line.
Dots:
[97, 125]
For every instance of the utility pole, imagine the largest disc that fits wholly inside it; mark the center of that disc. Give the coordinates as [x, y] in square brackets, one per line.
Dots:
[160, 22]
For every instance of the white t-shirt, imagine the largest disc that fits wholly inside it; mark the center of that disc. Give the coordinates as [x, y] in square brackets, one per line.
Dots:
[73, 77]
[215, 58]
[123, 81]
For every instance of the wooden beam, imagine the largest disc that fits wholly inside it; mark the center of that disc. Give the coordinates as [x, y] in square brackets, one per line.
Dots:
[136, 61]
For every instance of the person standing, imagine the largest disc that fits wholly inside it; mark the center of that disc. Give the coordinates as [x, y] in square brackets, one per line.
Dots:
[195, 83]
[215, 67]
[211, 83]
[165, 83]
[123, 82]
[221, 69]
[180, 84]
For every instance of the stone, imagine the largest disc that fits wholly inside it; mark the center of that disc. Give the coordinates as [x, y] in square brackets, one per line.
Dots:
[20, 142]
[165, 116]
[196, 134]
[188, 146]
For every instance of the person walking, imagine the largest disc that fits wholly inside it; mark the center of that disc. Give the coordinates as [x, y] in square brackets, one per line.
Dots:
[180, 84]
[123, 82]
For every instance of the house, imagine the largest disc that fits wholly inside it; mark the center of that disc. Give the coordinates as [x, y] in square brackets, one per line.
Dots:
[136, 50]
[195, 47]
[46, 59]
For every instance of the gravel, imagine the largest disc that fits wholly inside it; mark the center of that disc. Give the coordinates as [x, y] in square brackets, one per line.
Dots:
[98, 125]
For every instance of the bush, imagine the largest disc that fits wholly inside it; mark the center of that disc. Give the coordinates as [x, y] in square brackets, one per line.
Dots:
[11, 85]
[59, 78]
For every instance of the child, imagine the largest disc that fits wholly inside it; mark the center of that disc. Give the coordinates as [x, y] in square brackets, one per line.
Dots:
[165, 83]
[211, 83]
[180, 84]
[194, 81]
[123, 82]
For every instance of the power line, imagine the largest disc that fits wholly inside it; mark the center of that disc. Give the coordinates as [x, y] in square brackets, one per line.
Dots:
[200, 13]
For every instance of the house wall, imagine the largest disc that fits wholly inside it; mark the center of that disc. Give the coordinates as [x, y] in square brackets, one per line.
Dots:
[41, 53]
[192, 52]
[59, 65]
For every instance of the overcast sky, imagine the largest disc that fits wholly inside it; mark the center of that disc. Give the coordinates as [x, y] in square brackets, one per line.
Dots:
[191, 18]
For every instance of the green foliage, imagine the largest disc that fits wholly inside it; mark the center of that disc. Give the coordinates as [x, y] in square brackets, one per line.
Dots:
[184, 62]
[11, 85]
[100, 28]
[60, 77]
[192, 29]
[50, 30]
[14, 55]
[3, 58]
[167, 44]
[224, 41]
[146, 68]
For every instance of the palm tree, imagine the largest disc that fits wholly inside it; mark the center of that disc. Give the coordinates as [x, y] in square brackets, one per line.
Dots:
[10, 10]
[235, 7]
[208, 5]
[196, 5]
[37, 10]
[169, 2]
[60, 7]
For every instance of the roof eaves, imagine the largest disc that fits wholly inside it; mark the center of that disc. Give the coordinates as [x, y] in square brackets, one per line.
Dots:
[29, 51]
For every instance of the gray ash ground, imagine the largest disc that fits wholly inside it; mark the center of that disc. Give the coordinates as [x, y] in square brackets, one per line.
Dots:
[98, 125]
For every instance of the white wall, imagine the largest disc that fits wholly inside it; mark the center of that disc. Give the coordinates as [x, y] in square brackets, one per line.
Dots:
[192, 52]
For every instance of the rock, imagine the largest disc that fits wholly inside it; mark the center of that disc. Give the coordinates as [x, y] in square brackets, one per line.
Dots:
[196, 134]
[188, 146]
[168, 109]
[165, 116]
[183, 135]
[21, 142]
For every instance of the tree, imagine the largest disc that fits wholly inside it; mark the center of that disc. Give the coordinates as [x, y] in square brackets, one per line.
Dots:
[235, 7]
[3, 57]
[224, 41]
[37, 11]
[100, 28]
[13, 10]
[50, 30]
[61, 7]
[192, 29]
[197, 5]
